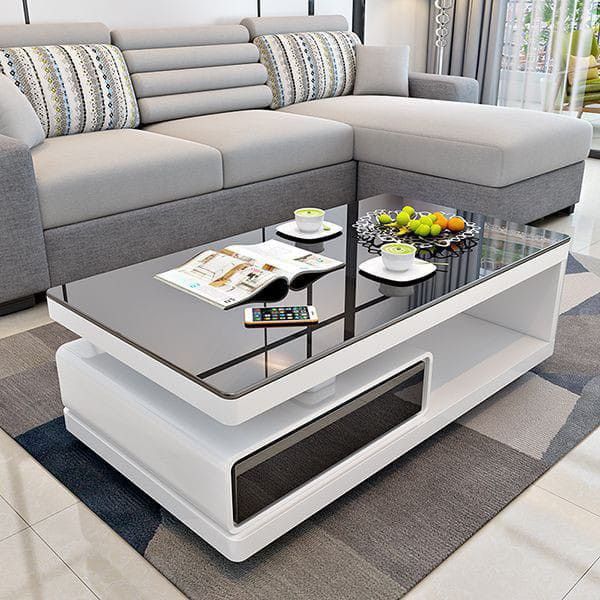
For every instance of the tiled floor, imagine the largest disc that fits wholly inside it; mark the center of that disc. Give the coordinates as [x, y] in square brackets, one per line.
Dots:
[545, 545]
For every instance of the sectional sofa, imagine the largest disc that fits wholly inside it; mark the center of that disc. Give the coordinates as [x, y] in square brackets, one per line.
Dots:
[210, 159]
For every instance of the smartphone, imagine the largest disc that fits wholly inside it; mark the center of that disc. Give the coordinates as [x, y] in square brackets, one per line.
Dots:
[280, 315]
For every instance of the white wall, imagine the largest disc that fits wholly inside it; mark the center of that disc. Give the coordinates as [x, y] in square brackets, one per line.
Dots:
[335, 7]
[399, 22]
[153, 13]
[279, 8]
[149, 13]
[300, 7]
[141, 13]
[387, 21]
[11, 12]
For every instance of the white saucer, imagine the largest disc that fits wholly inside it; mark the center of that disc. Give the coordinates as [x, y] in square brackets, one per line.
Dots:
[374, 268]
[290, 230]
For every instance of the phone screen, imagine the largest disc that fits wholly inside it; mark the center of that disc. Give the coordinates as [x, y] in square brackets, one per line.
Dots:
[280, 315]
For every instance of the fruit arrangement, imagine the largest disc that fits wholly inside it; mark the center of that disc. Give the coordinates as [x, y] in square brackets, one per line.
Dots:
[420, 228]
[423, 225]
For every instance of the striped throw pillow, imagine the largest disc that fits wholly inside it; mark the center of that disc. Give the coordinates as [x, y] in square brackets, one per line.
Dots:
[308, 66]
[75, 88]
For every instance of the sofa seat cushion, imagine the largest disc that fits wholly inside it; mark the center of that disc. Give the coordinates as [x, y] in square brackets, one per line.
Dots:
[91, 175]
[475, 143]
[257, 145]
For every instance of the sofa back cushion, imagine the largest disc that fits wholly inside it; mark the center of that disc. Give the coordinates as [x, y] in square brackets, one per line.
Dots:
[292, 24]
[17, 117]
[47, 34]
[308, 66]
[191, 71]
[73, 88]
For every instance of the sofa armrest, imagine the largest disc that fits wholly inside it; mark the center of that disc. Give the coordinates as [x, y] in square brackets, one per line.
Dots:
[443, 87]
[23, 263]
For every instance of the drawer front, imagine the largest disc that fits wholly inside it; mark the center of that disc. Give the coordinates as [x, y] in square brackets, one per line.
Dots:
[267, 475]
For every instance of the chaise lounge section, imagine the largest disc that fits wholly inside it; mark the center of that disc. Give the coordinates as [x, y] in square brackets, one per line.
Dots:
[210, 158]
[483, 158]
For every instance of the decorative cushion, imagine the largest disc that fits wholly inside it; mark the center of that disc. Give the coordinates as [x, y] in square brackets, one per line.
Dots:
[17, 117]
[582, 68]
[74, 88]
[382, 70]
[308, 66]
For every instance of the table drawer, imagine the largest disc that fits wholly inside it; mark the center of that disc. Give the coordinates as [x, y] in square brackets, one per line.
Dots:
[267, 475]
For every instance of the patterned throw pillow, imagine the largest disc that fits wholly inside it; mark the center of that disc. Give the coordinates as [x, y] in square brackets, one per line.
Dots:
[308, 66]
[74, 89]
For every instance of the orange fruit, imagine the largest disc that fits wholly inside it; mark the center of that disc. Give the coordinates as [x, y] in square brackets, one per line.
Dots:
[455, 224]
[441, 220]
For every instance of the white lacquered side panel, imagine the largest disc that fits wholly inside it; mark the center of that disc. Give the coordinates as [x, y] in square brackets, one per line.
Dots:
[121, 412]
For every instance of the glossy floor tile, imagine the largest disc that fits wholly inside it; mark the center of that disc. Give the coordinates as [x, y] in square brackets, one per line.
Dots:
[31, 491]
[593, 250]
[31, 571]
[10, 521]
[588, 587]
[109, 566]
[24, 320]
[577, 476]
[536, 548]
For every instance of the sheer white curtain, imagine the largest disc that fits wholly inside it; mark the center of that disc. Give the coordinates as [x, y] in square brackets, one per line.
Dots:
[541, 37]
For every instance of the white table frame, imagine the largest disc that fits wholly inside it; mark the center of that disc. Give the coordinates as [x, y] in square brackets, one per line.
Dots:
[159, 427]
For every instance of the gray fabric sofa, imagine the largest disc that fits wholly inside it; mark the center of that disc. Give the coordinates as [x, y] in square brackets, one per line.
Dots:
[210, 159]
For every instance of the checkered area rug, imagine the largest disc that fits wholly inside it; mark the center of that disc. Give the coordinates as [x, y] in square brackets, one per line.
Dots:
[381, 538]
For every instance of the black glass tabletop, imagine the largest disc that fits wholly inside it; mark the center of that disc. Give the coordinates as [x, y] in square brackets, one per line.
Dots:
[213, 347]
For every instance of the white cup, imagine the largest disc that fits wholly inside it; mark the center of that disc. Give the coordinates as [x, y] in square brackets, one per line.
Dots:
[309, 220]
[398, 256]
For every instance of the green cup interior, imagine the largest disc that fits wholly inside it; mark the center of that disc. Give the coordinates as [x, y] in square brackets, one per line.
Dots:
[309, 212]
[398, 248]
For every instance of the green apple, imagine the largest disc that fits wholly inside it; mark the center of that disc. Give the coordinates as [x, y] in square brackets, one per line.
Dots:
[402, 218]
[436, 229]
[423, 230]
[409, 210]
[384, 218]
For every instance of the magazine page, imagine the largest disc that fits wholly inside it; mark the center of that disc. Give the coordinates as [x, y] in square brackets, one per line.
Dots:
[219, 278]
[284, 259]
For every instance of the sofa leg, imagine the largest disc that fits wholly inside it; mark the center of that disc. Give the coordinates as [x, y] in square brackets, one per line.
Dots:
[567, 211]
[13, 306]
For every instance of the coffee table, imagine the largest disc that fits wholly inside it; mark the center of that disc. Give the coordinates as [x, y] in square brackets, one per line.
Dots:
[244, 433]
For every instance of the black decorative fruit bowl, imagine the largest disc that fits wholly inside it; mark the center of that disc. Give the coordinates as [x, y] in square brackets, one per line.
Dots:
[378, 227]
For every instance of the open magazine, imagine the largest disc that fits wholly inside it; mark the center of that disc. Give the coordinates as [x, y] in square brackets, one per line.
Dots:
[235, 274]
